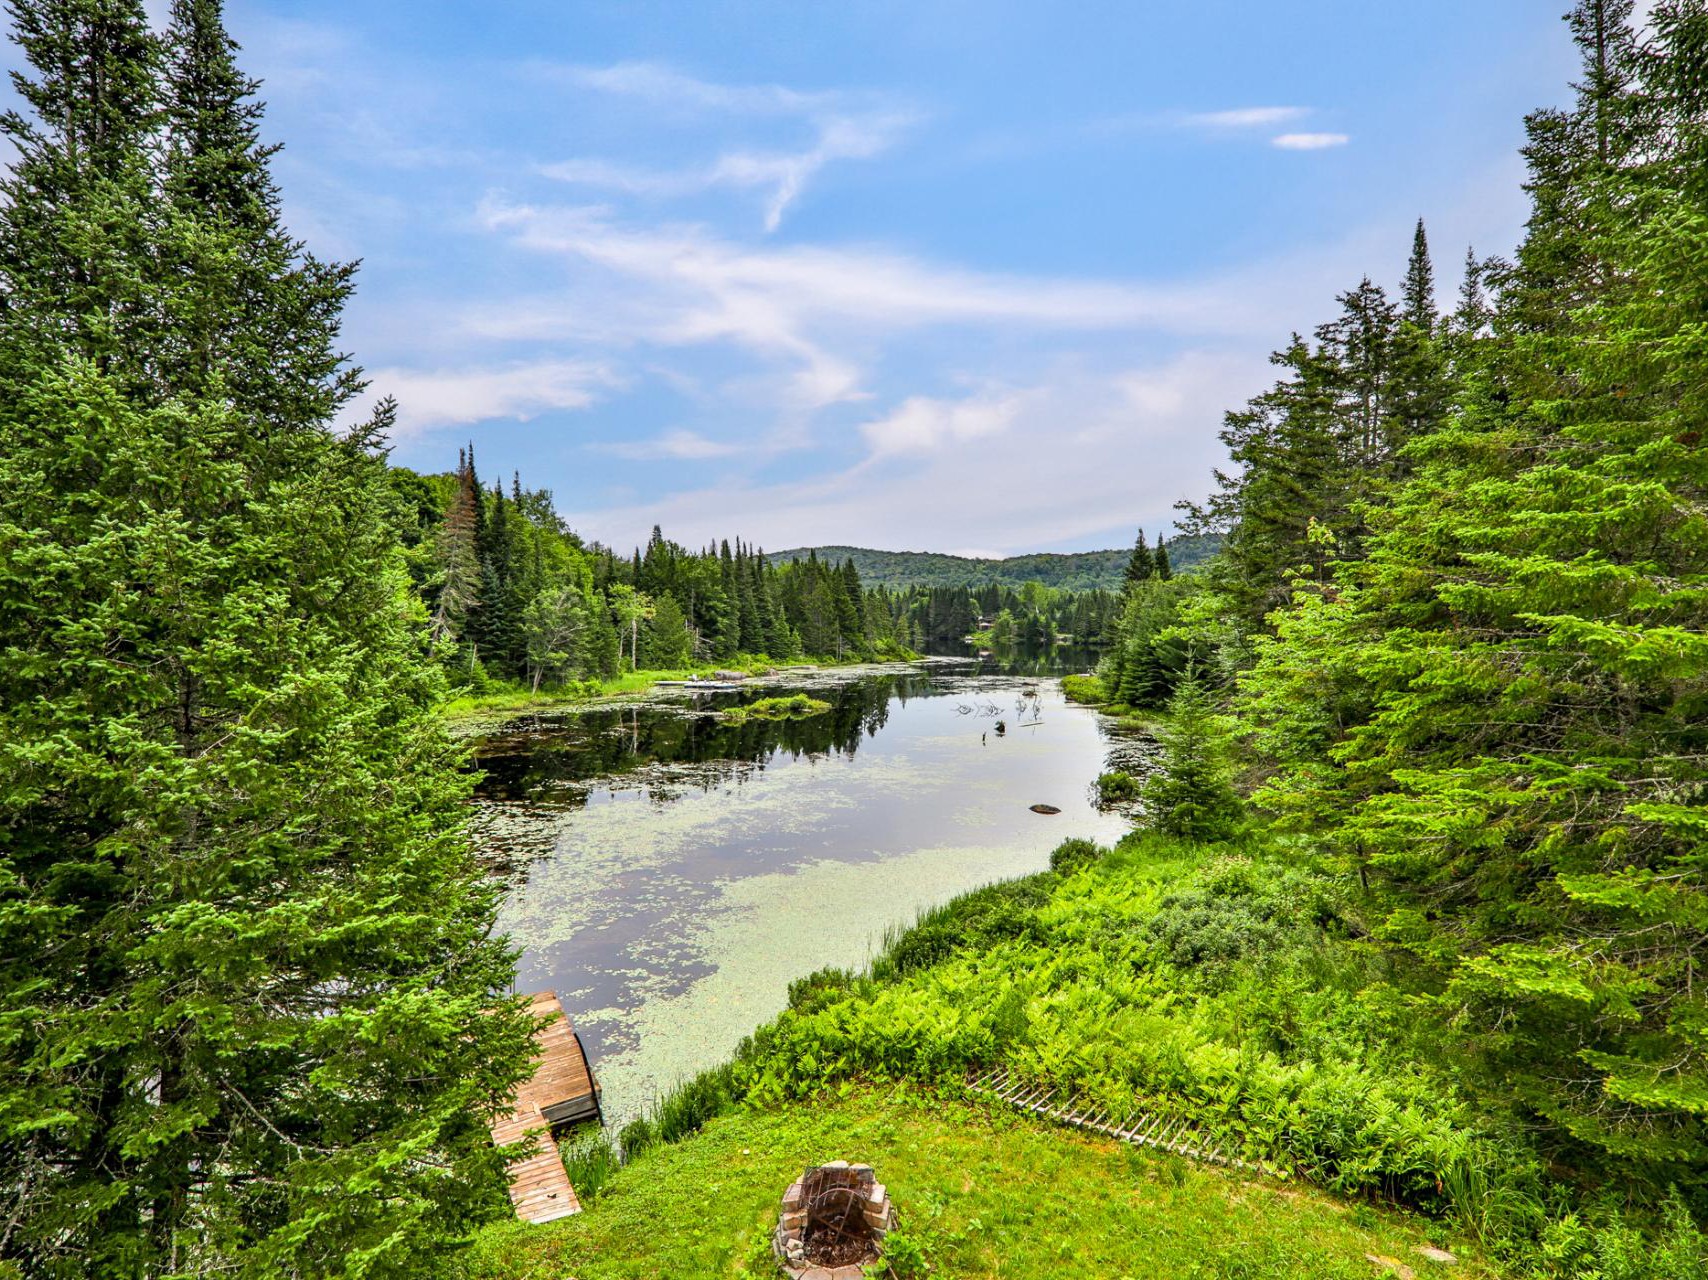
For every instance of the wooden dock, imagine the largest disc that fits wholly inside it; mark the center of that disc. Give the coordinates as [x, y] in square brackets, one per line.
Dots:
[561, 1091]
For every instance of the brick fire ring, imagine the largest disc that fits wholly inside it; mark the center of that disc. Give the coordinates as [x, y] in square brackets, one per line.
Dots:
[789, 1240]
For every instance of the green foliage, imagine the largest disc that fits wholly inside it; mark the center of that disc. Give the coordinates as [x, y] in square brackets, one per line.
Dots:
[636, 1137]
[1150, 650]
[970, 921]
[797, 706]
[1072, 571]
[905, 1257]
[1207, 988]
[1117, 787]
[819, 988]
[1088, 690]
[685, 1109]
[252, 1007]
[1614, 1248]
[591, 1161]
[1497, 717]
[668, 643]
[1070, 855]
[1190, 794]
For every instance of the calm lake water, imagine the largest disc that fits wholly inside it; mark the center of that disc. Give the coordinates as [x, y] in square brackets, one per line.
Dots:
[675, 872]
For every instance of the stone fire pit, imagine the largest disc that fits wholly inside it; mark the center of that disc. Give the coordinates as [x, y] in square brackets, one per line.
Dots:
[834, 1220]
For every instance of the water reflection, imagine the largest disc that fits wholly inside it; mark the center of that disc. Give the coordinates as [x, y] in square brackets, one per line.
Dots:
[674, 871]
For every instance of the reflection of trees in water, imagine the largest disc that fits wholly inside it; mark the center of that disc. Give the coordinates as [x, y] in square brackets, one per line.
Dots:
[539, 759]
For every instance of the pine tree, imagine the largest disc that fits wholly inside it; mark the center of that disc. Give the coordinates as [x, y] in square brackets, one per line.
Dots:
[1499, 719]
[601, 648]
[669, 644]
[1140, 565]
[850, 611]
[1190, 795]
[1421, 389]
[276, 1009]
[459, 583]
[1417, 294]
[1164, 570]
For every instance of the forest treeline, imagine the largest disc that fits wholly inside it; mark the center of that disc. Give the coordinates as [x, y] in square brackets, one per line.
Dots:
[1065, 571]
[1456, 628]
[512, 594]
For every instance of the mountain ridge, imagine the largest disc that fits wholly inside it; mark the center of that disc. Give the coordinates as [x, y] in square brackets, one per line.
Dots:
[1069, 570]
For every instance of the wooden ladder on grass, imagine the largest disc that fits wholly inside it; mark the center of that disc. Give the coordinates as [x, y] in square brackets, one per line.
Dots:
[1137, 1129]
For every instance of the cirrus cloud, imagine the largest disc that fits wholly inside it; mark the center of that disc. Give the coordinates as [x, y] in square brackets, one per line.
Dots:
[1309, 141]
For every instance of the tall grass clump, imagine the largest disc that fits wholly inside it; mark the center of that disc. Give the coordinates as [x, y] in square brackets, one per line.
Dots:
[591, 1160]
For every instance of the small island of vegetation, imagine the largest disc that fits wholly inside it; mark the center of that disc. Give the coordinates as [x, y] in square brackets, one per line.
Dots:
[796, 706]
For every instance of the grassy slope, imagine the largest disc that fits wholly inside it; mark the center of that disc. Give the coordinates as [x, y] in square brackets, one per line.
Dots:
[990, 1193]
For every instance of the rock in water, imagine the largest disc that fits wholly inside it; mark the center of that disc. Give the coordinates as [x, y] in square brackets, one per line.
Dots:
[1045, 808]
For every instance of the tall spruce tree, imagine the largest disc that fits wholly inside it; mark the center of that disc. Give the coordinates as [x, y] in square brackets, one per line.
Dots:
[1140, 565]
[1500, 718]
[251, 1009]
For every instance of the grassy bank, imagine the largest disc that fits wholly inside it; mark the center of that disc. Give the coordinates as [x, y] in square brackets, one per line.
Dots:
[1229, 986]
[983, 1193]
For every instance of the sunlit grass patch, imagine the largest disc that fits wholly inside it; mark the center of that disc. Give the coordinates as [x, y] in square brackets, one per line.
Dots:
[985, 1194]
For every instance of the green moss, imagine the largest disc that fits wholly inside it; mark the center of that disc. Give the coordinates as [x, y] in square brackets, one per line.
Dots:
[795, 707]
[1086, 689]
[980, 1193]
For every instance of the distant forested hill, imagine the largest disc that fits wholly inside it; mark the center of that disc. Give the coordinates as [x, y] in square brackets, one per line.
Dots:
[1074, 571]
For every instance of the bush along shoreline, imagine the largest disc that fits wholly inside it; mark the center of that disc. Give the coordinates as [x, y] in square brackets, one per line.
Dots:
[1219, 983]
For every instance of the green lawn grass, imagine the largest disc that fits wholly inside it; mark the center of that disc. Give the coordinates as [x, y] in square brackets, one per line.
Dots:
[989, 1193]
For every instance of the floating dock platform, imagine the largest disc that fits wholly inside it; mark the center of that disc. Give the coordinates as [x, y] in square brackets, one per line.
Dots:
[562, 1091]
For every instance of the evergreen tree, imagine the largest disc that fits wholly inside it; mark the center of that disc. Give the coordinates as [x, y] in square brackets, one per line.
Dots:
[1141, 565]
[1190, 795]
[276, 1010]
[1164, 570]
[459, 580]
[850, 613]
[601, 648]
[669, 644]
[1499, 718]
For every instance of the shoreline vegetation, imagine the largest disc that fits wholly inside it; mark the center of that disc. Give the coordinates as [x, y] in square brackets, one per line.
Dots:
[472, 712]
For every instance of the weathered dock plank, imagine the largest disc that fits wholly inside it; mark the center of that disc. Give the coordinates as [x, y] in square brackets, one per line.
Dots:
[561, 1090]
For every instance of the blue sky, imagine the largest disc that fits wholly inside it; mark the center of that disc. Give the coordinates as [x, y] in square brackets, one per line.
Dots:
[949, 276]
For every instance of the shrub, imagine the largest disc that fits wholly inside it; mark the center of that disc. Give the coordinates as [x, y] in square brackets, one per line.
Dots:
[904, 1258]
[686, 1108]
[1085, 689]
[816, 990]
[636, 1136]
[1196, 927]
[1070, 855]
[1117, 787]
[975, 921]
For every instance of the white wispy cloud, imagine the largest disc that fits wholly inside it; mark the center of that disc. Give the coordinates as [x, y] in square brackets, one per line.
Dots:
[925, 424]
[1247, 117]
[429, 398]
[1309, 141]
[1074, 456]
[665, 86]
[679, 445]
[844, 126]
[814, 309]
